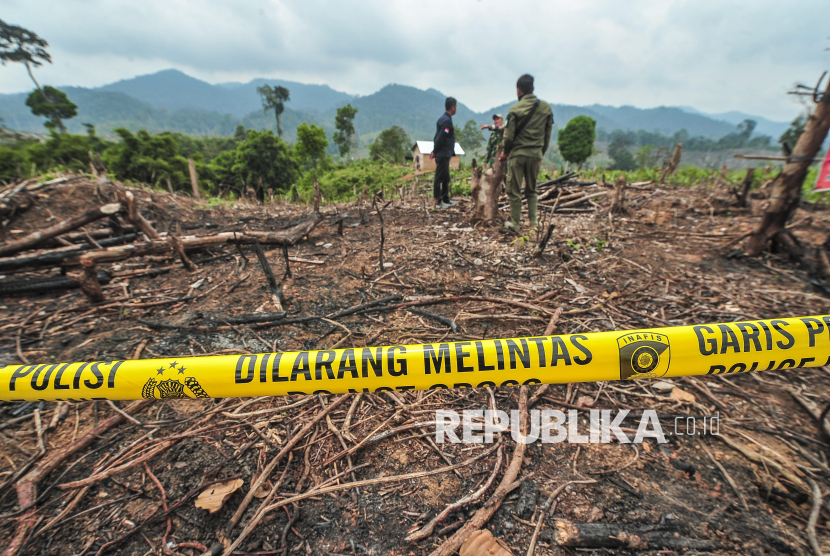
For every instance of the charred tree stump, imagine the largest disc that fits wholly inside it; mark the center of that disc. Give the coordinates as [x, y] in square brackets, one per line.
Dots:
[619, 535]
[786, 190]
[618, 204]
[485, 192]
[40, 236]
[742, 195]
[671, 167]
[88, 280]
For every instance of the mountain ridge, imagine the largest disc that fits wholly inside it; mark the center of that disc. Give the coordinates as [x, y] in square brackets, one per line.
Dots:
[171, 100]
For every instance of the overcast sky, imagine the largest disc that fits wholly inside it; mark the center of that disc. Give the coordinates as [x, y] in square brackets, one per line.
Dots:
[714, 55]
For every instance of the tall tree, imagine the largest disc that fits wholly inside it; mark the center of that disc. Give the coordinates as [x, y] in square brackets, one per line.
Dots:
[53, 104]
[23, 46]
[274, 98]
[311, 142]
[344, 137]
[576, 140]
[263, 156]
[620, 155]
[391, 145]
[470, 137]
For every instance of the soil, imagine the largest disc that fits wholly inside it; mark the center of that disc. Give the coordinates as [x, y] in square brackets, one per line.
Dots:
[672, 259]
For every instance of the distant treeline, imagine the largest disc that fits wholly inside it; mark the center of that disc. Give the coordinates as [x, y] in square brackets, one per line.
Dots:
[738, 139]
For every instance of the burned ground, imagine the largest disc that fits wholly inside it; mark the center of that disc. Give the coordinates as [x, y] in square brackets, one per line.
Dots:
[670, 260]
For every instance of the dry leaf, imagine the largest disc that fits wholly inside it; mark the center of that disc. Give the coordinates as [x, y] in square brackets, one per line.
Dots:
[678, 394]
[661, 386]
[482, 543]
[577, 287]
[212, 498]
[263, 489]
[584, 401]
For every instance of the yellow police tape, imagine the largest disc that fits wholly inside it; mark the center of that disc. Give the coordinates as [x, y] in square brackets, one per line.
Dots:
[735, 347]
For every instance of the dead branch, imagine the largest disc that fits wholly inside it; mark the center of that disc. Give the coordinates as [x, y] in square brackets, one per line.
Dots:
[26, 487]
[427, 529]
[546, 506]
[742, 195]
[40, 236]
[289, 236]
[345, 486]
[266, 472]
[443, 320]
[508, 484]
[177, 247]
[276, 292]
[134, 216]
[621, 535]
[540, 248]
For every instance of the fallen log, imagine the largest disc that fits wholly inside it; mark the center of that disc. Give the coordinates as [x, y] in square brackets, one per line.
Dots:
[30, 285]
[100, 233]
[57, 256]
[289, 236]
[554, 181]
[40, 236]
[621, 535]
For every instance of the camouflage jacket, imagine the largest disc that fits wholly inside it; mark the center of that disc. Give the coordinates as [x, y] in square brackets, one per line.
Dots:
[496, 137]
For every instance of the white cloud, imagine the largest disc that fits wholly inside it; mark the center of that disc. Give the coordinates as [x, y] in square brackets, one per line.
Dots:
[714, 55]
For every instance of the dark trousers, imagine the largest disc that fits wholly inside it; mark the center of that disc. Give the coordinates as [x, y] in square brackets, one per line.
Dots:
[441, 185]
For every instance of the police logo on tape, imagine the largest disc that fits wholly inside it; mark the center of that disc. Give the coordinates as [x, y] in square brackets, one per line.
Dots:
[643, 355]
[172, 388]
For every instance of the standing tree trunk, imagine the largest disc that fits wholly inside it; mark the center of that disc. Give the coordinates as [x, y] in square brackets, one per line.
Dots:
[786, 191]
[45, 96]
[671, 167]
[486, 190]
[194, 178]
[317, 196]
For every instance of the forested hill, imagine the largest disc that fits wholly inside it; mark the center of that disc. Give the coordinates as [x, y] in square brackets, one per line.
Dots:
[173, 101]
[172, 89]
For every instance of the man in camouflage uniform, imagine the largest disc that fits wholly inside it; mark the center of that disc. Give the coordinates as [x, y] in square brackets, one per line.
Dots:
[496, 137]
[526, 139]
